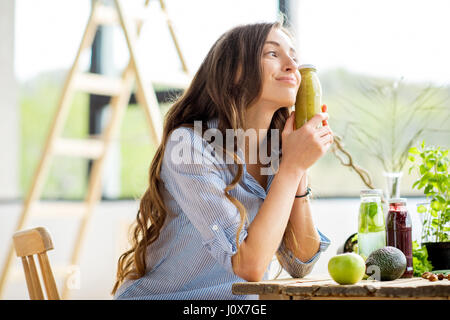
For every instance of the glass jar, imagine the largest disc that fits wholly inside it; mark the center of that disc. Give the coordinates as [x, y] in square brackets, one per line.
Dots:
[309, 96]
[399, 231]
[371, 224]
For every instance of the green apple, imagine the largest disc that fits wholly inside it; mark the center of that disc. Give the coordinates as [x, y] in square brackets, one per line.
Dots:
[347, 268]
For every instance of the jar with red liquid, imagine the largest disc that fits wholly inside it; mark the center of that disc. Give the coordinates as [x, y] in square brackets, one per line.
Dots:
[399, 231]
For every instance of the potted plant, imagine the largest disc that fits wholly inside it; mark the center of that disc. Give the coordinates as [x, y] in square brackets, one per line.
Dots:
[432, 165]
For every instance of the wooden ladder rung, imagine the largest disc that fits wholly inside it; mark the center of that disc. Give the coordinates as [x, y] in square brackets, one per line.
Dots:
[98, 84]
[180, 80]
[107, 15]
[84, 148]
[58, 209]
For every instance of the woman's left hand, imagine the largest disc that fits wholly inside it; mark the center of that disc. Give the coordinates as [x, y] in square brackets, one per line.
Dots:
[303, 185]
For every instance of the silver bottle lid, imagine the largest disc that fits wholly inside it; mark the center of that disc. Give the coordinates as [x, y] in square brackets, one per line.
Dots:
[398, 200]
[371, 198]
[307, 66]
[371, 192]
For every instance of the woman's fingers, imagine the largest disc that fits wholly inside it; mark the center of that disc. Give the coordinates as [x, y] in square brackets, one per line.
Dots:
[318, 119]
[324, 109]
[327, 138]
[323, 131]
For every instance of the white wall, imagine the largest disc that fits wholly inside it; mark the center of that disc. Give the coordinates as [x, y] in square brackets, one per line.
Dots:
[9, 109]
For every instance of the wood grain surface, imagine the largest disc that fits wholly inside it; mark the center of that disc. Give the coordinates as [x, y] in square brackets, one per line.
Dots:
[326, 288]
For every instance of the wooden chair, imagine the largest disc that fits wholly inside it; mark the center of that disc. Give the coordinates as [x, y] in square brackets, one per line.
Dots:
[28, 243]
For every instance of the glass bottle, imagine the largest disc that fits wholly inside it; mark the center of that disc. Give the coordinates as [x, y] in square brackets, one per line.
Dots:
[371, 223]
[309, 95]
[399, 231]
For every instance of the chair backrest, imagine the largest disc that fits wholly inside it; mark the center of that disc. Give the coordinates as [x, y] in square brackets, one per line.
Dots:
[36, 241]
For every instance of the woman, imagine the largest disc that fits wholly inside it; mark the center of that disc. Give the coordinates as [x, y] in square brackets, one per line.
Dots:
[203, 225]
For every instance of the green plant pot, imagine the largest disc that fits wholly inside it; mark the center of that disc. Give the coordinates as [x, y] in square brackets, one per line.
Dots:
[439, 254]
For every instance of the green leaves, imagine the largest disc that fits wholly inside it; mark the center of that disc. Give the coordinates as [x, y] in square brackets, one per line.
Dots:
[421, 209]
[432, 164]
[370, 217]
[420, 260]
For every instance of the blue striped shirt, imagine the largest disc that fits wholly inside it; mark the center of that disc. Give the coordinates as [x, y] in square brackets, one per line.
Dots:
[191, 259]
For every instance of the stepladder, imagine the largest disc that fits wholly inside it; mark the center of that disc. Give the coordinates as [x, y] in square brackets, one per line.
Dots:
[93, 148]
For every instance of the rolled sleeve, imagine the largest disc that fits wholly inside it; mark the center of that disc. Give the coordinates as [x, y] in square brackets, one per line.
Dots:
[293, 265]
[223, 245]
[198, 188]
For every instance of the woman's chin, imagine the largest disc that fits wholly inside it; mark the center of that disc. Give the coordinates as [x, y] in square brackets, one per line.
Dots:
[286, 103]
[288, 99]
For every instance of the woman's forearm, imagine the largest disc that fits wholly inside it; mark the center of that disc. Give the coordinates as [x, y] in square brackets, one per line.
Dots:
[266, 231]
[301, 236]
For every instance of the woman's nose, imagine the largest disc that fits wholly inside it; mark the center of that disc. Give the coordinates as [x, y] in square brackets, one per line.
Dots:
[290, 65]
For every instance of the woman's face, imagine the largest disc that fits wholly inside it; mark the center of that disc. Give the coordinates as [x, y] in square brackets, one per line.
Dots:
[281, 77]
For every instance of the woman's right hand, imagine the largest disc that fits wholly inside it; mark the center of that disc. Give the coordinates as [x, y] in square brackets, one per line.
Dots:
[302, 147]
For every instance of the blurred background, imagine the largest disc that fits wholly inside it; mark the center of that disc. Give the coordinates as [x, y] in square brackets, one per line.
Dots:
[378, 62]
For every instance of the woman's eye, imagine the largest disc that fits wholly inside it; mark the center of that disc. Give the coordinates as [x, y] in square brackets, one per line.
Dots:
[272, 53]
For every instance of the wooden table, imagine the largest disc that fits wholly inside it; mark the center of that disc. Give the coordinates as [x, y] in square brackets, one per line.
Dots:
[324, 288]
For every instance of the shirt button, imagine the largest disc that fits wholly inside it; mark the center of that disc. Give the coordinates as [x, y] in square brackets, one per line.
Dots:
[215, 227]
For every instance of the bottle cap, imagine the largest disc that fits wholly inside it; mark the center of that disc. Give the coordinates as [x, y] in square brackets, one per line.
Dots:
[371, 192]
[397, 200]
[371, 198]
[307, 66]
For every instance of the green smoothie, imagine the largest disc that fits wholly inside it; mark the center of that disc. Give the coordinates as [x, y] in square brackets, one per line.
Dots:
[309, 95]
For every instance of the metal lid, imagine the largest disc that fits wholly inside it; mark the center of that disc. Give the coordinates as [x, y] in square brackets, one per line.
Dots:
[307, 66]
[371, 198]
[371, 192]
[397, 200]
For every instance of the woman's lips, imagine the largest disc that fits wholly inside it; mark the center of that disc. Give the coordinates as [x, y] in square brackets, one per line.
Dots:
[289, 80]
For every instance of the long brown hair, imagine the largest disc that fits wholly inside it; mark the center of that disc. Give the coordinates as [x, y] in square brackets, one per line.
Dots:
[227, 82]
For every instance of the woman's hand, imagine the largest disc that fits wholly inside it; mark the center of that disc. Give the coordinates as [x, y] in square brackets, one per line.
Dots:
[302, 147]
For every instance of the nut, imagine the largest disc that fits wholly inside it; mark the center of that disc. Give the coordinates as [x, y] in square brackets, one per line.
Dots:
[440, 276]
[433, 277]
[426, 275]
